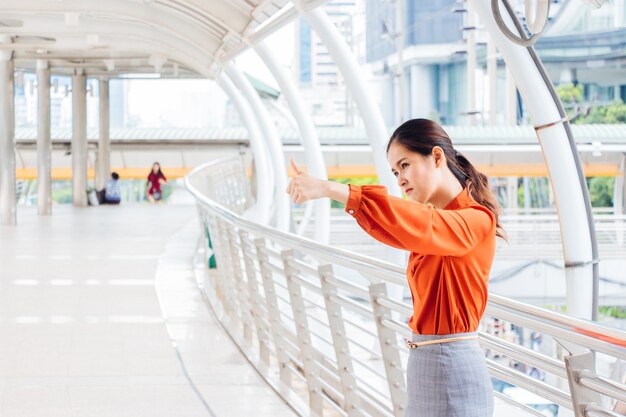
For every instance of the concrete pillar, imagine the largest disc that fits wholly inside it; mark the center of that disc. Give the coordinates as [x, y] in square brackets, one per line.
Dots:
[44, 144]
[8, 199]
[103, 158]
[79, 139]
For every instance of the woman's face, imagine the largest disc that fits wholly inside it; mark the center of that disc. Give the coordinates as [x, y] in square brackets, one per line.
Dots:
[418, 176]
[155, 168]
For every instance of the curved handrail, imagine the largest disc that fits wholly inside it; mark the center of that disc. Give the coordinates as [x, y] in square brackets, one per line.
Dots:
[288, 266]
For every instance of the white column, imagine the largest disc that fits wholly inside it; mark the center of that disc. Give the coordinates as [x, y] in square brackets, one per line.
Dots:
[310, 141]
[79, 139]
[262, 169]
[511, 98]
[492, 76]
[103, 158]
[400, 78]
[273, 144]
[8, 201]
[44, 144]
[422, 91]
[355, 81]
[561, 161]
[470, 24]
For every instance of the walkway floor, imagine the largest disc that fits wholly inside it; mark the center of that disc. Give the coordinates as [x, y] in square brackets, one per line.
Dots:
[100, 316]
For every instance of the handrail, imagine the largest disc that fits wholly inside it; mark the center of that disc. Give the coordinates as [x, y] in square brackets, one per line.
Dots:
[249, 258]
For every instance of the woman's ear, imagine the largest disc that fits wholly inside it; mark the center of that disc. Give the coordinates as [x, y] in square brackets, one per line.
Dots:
[439, 155]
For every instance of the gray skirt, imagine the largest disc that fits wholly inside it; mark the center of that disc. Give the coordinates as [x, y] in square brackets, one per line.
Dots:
[448, 379]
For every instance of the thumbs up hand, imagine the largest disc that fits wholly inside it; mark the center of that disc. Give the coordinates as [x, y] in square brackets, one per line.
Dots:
[304, 187]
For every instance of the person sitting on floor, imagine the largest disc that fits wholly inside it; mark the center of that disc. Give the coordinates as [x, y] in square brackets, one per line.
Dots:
[112, 193]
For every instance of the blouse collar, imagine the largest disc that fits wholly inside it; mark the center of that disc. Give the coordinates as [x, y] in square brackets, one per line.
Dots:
[461, 200]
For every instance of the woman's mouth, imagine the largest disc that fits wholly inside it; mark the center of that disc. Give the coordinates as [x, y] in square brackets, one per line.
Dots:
[408, 190]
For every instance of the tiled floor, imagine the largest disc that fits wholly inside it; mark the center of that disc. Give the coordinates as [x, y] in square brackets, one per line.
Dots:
[95, 303]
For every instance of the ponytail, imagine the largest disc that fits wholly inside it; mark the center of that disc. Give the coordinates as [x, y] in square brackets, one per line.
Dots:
[422, 135]
[477, 185]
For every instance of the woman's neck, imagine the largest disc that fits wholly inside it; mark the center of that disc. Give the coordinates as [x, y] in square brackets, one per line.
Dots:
[446, 193]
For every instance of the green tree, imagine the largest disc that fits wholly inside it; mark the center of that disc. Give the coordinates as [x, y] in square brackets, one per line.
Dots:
[570, 94]
[601, 191]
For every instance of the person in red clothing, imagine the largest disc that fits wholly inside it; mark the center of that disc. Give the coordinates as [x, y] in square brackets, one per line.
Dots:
[449, 224]
[155, 180]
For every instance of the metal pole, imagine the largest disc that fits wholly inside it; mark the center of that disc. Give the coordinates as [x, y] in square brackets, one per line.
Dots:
[79, 139]
[310, 141]
[103, 159]
[274, 146]
[44, 144]
[8, 201]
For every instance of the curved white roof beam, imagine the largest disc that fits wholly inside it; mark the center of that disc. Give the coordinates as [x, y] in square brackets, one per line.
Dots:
[117, 11]
[561, 162]
[262, 168]
[76, 38]
[273, 143]
[370, 113]
[308, 135]
[568, 16]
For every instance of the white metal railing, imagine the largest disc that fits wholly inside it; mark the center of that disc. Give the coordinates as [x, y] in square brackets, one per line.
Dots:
[530, 236]
[318, 322]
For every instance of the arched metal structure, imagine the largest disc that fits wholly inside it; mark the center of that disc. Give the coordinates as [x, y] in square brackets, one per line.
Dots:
[194, 35]
[551, 125]
[313, 150]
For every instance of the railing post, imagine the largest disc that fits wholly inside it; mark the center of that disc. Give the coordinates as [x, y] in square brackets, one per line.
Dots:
[391, 356]
[226, 273]
[216, 277]
[274, 312]
[240, 288]
[340, 342]
[303, 332]
[255, 296]
[581, 396]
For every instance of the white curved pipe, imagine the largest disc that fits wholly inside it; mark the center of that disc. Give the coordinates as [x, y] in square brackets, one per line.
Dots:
[273, 143]
[577, 247]
[264, 187]
[308, 135]
[370, 113]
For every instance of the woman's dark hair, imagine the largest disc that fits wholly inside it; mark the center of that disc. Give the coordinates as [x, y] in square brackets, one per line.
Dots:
[115, 176]
[160, 174]
[422, 135]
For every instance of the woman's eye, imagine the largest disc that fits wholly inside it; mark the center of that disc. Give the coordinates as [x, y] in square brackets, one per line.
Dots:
[404, 165]
[395, 174]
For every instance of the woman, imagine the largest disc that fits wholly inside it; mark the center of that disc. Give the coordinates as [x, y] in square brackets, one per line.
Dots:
[452, 245]
[155, 180]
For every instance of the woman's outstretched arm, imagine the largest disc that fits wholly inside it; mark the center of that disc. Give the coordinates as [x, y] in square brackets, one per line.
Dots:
[303, 187]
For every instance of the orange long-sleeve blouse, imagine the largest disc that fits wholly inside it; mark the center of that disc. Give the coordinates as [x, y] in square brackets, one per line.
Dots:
[452, 250]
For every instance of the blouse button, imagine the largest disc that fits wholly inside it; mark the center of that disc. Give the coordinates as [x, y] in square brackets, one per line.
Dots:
[351, 211]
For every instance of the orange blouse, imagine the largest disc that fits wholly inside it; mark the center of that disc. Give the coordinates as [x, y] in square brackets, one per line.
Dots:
[451, 254]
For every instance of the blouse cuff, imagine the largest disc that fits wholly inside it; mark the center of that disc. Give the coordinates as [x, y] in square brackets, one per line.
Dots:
[354, 200]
